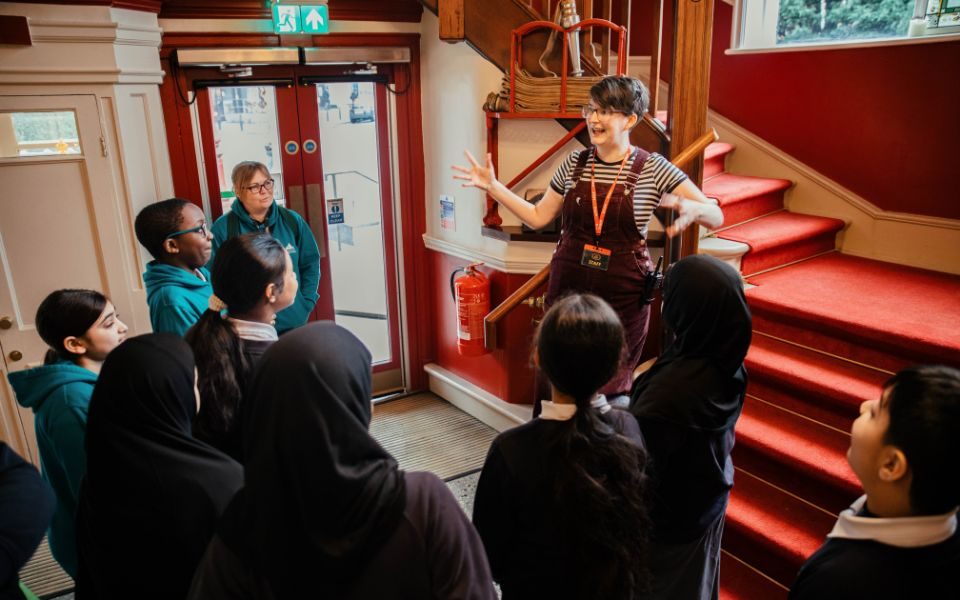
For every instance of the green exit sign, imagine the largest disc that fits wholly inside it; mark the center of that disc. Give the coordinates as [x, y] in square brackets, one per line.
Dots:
[293, 18]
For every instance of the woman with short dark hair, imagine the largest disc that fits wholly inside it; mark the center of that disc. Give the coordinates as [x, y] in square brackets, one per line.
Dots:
[606, 195]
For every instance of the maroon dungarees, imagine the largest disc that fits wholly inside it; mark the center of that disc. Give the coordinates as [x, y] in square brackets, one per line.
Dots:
[621, 285]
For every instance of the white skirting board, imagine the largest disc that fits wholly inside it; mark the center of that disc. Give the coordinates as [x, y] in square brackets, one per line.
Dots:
[476, 402]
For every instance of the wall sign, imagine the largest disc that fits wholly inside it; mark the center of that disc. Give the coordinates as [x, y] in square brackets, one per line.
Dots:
[293, 18]
[335, 211]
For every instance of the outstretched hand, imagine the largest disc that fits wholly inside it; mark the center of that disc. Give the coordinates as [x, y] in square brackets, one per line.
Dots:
[476, 175]
[688, 211]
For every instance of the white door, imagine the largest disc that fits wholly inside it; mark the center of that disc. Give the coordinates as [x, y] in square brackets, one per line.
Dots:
[60, 227]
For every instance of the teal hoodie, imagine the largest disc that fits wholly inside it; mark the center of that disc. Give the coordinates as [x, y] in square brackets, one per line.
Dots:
[176, 297]
[59, 395]
[305, 256]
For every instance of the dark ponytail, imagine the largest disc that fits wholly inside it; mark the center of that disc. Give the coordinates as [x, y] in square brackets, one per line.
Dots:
[67, 313]
[242, 269]
[603, 487]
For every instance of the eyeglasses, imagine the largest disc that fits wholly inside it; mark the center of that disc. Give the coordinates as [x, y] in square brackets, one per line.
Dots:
[603, 113]
[258, 187]
[201, 229]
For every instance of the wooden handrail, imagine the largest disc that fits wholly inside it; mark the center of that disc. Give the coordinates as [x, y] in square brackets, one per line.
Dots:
[526, 290]
[512, 301]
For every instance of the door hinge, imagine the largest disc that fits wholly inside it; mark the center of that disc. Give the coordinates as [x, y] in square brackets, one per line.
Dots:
[103, 145]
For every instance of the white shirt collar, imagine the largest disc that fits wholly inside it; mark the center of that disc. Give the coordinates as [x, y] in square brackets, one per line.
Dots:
[902, 532]
[254, 331]
[551, 411]
[600, 403]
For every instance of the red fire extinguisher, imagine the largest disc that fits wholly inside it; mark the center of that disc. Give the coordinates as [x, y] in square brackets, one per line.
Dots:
[472, 296]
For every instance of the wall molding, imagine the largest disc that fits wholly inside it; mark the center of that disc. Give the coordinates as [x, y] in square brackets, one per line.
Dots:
[475, 401]
[505, 264]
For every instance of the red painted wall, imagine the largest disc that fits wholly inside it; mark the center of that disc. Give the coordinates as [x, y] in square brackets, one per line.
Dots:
[882, 121]
[507, 372]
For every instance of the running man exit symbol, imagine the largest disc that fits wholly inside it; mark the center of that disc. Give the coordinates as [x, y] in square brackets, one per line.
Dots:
[286, 18]
[315, 19]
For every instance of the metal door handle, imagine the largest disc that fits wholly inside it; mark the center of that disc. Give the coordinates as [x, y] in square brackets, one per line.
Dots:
[15, 355]
[6, 322]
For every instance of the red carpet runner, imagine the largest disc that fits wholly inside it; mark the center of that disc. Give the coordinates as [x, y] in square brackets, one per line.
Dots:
[829, 329]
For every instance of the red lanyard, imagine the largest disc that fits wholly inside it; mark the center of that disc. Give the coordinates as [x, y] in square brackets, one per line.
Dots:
[599, 218]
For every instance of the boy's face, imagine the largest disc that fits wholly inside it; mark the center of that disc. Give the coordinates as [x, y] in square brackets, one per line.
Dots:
[193, 249]
[867, 440]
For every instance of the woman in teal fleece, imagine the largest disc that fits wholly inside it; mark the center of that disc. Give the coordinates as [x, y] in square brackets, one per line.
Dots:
[81, 327]
[175, 232]
[255, 210]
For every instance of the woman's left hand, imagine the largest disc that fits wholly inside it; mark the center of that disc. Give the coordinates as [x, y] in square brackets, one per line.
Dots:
[688, 212]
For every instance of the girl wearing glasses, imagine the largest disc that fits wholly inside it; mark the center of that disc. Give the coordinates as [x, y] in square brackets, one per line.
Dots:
[255, 210]
[606, 195]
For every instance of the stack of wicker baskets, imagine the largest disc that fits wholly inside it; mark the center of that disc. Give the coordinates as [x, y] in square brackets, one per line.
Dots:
[541, 94]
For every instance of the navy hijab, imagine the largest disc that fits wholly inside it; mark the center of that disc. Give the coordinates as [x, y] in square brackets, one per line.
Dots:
[152, 493]
[699, 380]
[321, 495]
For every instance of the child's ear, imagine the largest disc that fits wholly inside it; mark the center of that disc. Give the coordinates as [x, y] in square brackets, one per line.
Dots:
[536, 358]
[270, 293]
[170, 246]
[75, 345]
[893, 464]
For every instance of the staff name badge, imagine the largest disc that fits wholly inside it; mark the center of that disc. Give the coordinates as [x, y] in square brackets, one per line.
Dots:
[335, 211]
[595, 257]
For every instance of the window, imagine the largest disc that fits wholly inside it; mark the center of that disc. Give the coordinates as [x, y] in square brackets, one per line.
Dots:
[38, 133]
[782, 23]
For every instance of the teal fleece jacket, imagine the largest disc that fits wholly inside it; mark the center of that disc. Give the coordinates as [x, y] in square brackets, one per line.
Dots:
[176, 297]
[59, 395]
[305, 257]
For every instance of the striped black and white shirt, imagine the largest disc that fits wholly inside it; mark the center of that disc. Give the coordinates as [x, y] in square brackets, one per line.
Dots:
[657, 177]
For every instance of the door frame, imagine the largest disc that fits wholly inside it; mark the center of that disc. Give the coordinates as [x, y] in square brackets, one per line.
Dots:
[414, 270]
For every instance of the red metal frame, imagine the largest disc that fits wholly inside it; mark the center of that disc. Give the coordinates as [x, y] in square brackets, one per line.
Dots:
[421, 342]
[492, 217]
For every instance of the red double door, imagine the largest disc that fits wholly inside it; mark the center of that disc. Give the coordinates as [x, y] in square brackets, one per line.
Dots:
[326, 140]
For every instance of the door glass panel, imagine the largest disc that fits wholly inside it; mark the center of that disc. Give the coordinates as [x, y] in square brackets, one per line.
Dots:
[245, 128]
[40, 133]
[351, 169]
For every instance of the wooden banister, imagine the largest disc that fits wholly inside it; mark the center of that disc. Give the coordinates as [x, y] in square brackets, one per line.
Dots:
[492, 320]
[512, 301]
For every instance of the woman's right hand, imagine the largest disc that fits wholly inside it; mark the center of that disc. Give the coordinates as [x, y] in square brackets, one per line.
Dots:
[476, 175]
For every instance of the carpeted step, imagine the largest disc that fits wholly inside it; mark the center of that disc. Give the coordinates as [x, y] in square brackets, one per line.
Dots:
[783, 238]
[880, 314]
[770, 529]
[801, 456]
[715, 159]
[815, 385]
[740, 581]
[742, 198]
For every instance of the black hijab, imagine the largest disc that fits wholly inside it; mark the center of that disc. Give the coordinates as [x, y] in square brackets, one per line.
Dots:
[321, 495]
[699, 380]
[152, 492]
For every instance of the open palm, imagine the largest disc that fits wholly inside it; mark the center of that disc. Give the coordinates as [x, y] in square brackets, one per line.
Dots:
[476, 175]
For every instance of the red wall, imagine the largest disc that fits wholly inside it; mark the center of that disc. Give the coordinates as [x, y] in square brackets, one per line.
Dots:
[883, 122]
[507, 372]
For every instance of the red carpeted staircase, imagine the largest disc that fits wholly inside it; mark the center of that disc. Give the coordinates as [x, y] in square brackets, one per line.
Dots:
[829, 329]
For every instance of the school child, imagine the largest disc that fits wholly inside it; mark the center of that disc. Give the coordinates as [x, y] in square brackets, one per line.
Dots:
[325, 511]
[687, 405]
[153, 493]
[81, 327]
[252, 279]
[560, 504]
[26, 506]
[175, 233]
[255, 210]
[900, 539]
